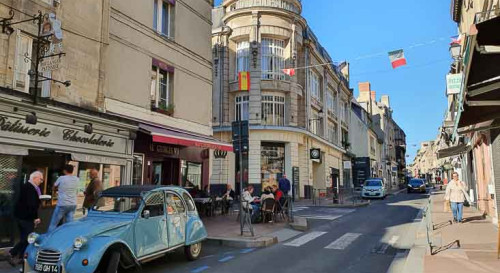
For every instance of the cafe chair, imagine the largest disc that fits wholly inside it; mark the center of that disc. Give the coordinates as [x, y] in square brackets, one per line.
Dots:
[268, 208]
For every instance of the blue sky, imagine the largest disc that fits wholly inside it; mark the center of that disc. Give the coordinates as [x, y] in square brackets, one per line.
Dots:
[362, 32]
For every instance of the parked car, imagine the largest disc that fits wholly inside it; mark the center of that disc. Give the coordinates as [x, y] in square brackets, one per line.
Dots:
[127, 226]
[373, 188]
[416, 185]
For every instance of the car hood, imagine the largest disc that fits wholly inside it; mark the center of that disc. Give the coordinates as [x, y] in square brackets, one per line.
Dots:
[62, 238]
[372, 188]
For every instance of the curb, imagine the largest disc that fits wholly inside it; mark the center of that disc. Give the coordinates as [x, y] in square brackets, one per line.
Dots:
[245, 242]
[299, 223]
[356, 205]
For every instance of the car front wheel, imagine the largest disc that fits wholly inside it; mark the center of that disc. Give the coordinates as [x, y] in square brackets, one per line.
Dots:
[193, 251]
[114, 261]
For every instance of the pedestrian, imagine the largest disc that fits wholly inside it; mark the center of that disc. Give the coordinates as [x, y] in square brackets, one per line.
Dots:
[456, 194]
[284, 185]
[94, 188]
[66, 185]
[228, 198]
[26, 214]
[278, 195]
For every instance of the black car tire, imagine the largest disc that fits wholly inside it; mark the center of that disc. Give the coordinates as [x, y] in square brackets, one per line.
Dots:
[114, 261]
[193, 251]
[408, 191]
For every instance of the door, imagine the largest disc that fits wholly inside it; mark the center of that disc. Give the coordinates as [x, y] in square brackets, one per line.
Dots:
[151, 232]
[157, 173]
[176, 219]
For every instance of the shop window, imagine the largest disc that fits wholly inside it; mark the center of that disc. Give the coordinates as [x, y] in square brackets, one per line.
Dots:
[272, 157]
[157, 173]
[191, 174]
[22, 65]
[162, 17]
[273, 110]
[162, 90]
[9, 166]
[242, 57]
[138, 166]
[241, 108]
[273, 60]
[155, 204]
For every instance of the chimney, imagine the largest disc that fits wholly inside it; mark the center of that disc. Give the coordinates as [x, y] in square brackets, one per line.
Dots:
[373, 95]
[364, 91]
[385, 101]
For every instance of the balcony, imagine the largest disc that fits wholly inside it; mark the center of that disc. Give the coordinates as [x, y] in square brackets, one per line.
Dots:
[294, 6]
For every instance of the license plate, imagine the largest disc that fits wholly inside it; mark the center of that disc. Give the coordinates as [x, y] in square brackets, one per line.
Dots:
[46, 268]
[372, 193]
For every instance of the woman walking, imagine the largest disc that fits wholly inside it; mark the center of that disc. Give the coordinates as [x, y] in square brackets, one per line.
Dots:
[456, 194]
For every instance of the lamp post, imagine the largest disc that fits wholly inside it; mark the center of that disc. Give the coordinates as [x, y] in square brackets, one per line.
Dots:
[455, 51]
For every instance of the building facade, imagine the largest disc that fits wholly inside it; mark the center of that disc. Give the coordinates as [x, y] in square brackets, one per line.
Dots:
[290, 115]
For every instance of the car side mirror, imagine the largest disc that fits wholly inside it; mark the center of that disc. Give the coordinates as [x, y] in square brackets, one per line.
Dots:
[145, 214]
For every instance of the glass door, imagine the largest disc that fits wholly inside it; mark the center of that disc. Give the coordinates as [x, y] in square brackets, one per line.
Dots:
[157, 173]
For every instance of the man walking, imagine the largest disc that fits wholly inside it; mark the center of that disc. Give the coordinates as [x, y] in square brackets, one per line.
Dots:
[92, 191]
[26, 214]
[67, 186]
[456, 193]
[284, 184]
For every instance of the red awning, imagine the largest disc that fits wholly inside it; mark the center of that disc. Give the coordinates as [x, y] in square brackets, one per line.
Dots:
[185, 138]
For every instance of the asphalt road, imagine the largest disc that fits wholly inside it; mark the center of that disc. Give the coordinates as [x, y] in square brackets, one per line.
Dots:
[339, 240]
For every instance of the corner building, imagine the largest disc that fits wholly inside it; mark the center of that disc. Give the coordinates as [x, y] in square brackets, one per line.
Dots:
[289, 115]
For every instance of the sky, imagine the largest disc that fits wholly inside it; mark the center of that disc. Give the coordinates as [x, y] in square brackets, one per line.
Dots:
[364, 31]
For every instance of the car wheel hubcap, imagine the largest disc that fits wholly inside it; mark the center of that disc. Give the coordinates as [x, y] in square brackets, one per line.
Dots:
[195, 249]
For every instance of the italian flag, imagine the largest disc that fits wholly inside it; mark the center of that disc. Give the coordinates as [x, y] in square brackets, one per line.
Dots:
[397, 58]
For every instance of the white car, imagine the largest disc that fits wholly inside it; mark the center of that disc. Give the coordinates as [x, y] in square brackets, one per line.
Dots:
[373, 188]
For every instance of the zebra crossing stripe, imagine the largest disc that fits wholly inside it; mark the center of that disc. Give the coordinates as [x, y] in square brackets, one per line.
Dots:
[344, 241]
[305, 238]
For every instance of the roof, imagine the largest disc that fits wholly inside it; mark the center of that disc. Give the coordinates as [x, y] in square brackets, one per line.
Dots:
[133, 190]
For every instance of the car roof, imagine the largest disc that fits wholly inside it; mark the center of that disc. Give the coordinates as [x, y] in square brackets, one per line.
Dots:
[138, 190]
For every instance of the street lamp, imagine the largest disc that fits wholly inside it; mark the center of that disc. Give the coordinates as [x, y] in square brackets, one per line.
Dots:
[455, 50]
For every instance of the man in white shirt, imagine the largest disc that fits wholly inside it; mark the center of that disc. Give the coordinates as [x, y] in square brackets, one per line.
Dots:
[67, 186]
[247, 200]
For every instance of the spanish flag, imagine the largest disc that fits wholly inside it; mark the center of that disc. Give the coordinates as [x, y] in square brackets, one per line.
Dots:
[244, 80]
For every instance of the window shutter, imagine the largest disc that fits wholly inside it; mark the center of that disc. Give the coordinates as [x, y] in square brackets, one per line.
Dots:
[21, 78]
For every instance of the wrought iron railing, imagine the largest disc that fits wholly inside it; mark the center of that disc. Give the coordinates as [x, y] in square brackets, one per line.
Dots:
[281, 4]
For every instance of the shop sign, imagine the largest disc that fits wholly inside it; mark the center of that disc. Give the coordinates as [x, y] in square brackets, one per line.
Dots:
[453, 83]
[16, 128]
[315, 154]
[164, 149]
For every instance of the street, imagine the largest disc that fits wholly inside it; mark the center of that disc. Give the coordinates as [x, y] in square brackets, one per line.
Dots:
[364, 240]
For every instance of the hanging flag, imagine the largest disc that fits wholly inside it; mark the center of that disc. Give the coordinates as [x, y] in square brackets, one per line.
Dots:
[289, 71]
[244, 80]
[457, 39]
[397, 58]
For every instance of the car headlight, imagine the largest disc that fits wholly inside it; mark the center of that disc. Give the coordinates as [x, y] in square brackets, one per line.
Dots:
[32, 237]
[79, 242]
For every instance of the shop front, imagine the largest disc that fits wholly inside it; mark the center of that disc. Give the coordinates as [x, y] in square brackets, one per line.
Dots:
[45, 138]
[168, 156]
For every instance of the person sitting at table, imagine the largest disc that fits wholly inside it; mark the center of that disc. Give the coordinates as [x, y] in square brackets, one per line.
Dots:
[278, 194]
[266, 194]
[228, 197]
[248, 202]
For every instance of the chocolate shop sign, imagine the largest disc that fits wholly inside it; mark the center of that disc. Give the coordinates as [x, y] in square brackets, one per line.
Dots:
[46, 133]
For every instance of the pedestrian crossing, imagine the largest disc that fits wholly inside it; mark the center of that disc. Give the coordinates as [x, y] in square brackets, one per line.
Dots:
[329, 214]
[341, 243]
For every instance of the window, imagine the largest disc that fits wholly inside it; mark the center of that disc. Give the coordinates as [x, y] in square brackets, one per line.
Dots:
[333, 133]
[24, 46]
[342, 112]
[189, 201]
[241, 108]
[154, 204]
[174, 204]
[331, 101]
[273, 60]
[161, 88]
[242, 57]
[372, 146]
[346, 112]
[118, 204]
[273, 110]
[314, 85]
[272, 158]
[162, 13]
[317, 123]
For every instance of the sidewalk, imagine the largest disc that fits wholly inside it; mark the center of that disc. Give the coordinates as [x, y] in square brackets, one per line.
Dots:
[225, 229]
[477, 237]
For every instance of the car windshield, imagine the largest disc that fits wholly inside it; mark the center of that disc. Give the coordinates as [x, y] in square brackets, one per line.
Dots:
[117, 204]
[373, 183]
[416, 182]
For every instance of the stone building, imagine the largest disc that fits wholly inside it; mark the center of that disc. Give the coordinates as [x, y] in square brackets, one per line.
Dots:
[290, 115]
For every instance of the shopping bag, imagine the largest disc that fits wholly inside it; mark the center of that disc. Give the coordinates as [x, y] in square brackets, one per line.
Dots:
[447, 206]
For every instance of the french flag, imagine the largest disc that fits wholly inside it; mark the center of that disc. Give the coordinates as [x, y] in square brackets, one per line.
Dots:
[397, 58]
[457, 39]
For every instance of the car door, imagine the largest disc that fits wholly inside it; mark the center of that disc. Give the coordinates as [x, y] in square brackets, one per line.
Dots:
[151, 231]
[176, 219]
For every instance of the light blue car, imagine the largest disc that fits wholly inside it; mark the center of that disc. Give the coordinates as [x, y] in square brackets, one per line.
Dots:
[128, 225]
